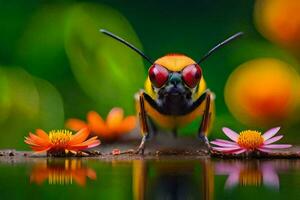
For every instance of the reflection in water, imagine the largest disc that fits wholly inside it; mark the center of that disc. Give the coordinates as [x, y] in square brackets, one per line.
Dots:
[62, 172]
[172, 179]
[167, 178]
[250, 173]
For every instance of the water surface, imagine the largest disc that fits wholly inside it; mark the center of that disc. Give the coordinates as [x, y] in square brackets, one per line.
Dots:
[168, 178]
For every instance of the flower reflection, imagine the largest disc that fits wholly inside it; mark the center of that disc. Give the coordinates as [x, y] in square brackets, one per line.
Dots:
[248, 174]
[62, 172]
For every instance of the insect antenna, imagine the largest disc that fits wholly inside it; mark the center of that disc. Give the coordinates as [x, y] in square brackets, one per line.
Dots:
[230, 39]
[106, 32]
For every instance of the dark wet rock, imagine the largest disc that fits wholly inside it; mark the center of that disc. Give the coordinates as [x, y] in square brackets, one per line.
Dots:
[95, 153]
[11, 153]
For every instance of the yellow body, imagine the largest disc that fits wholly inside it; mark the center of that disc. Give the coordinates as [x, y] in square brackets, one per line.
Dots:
[174, 62]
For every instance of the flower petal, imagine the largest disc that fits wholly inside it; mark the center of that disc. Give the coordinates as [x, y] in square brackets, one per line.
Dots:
[277, 146]
[225, 141]
[222, 144]
[114, 117]
[92, 142]
[270, 133]
[273, 139]
[231, 134]
[127, 125]
[38, 140]
[40, 150]
[42, 134]
[239, 151]
[75, 124]
[79, 137]
[265, 150]
[30, 142]
[91, 174]
[270, 177]
[97, 124]
[79, 179]
[226, 149]
[224, 168]
[232, 180]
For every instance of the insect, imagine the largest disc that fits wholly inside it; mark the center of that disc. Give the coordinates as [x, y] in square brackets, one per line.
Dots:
[175, 93]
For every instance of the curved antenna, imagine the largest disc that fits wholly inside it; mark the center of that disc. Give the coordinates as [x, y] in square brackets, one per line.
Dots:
[230, 39]
[106, 32]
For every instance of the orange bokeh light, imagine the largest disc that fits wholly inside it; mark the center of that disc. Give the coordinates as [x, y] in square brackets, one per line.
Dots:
[279, 21]
[263, 92]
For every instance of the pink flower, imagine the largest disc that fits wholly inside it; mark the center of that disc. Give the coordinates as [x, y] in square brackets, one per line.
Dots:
[249, 140]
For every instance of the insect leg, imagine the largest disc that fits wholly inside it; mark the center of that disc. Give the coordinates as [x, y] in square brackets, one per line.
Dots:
[143, 123]
[152, 127]
[206, 120]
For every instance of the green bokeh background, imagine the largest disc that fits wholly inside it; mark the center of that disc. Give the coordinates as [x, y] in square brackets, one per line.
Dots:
[56, 65]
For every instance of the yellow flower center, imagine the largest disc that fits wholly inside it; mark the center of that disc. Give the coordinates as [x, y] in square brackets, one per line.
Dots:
[250, 139]
[60, 137]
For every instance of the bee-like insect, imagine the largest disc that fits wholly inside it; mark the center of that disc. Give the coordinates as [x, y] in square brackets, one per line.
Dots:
[175, 93]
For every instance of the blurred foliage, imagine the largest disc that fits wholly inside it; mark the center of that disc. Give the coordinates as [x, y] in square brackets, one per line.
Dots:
[40, 49]
[29, 103]
[4, 97]
[108, 71]
[13, 17]
[51, 113]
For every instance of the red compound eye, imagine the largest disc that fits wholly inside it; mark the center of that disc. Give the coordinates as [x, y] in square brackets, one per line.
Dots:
[158, 75]
[191, 75]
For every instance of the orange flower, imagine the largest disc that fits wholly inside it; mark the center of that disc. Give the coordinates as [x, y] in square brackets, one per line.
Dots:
[61, 141]
[114, 126]
[62, 172]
